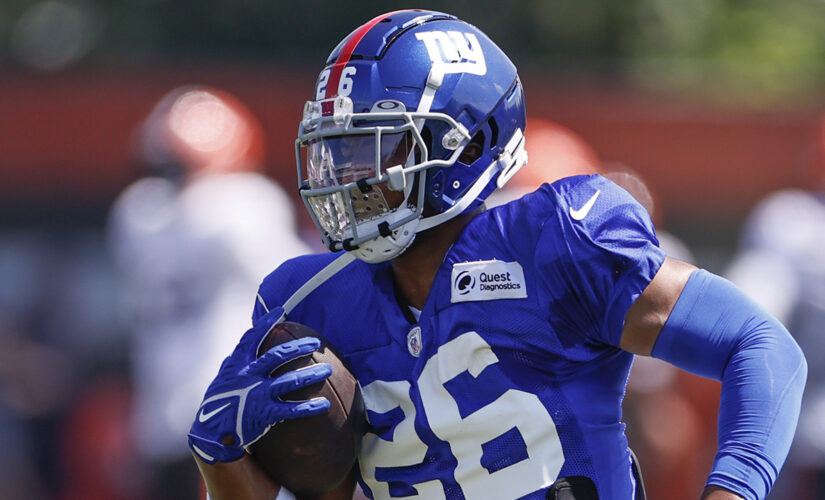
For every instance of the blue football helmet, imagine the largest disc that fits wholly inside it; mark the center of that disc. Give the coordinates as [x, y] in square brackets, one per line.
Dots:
[379, 148]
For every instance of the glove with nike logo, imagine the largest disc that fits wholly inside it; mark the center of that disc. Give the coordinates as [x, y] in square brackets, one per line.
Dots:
[242, 402]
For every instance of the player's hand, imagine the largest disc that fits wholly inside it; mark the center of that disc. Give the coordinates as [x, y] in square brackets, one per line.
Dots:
[242, 402]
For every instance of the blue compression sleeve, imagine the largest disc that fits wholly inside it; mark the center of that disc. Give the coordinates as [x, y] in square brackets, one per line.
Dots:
[716, 331]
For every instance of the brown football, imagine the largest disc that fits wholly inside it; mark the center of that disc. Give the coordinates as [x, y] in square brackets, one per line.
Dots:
[311, 456]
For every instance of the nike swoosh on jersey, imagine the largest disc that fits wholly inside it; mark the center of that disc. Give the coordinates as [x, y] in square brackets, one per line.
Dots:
[585, 209]
[203, 417]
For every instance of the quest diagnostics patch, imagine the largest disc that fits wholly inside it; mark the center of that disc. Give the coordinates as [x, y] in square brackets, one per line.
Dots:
[487, 280]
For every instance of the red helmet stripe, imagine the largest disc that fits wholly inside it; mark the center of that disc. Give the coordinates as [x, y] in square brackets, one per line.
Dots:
[348, 49]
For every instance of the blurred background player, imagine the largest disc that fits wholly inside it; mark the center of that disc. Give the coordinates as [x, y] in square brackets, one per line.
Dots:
[781, 264]
[190, 242]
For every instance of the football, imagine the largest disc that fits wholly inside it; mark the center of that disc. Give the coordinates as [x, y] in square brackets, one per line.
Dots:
[311, 456]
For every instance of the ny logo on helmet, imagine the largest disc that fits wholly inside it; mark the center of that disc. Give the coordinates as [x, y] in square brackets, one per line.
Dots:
[454, 52]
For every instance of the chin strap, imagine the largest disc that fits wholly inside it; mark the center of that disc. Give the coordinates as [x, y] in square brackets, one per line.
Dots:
[320, 277]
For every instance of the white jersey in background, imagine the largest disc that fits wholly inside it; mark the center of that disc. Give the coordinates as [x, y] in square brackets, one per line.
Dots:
[189, 259]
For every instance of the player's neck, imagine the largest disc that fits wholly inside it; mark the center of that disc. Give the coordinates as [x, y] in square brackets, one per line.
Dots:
[415, 269]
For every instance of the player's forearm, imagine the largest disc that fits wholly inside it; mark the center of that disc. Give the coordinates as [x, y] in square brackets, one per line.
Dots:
[761, 395]
[238, 480]
[717, 332]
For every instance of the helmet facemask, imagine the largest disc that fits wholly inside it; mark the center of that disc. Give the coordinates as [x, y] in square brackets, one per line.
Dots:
[364, 173]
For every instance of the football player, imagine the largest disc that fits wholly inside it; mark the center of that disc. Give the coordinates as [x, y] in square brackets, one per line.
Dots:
[492, 346]
[187, 252]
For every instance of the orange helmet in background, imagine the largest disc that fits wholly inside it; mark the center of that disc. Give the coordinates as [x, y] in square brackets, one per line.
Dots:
[196, 129]
[555, 152]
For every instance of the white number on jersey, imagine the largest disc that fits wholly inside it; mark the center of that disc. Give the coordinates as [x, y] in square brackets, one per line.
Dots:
[513, 409]
[404, 449]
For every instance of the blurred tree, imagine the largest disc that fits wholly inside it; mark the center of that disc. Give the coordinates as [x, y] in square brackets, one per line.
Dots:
[768, 51]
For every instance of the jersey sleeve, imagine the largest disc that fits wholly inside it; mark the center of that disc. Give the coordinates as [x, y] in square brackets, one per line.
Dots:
[598, 244]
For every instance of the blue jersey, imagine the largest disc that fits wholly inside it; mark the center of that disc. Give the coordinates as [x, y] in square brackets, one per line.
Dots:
[512, 376]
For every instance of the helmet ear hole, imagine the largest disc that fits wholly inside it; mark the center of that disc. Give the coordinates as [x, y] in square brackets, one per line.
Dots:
[493, 130]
